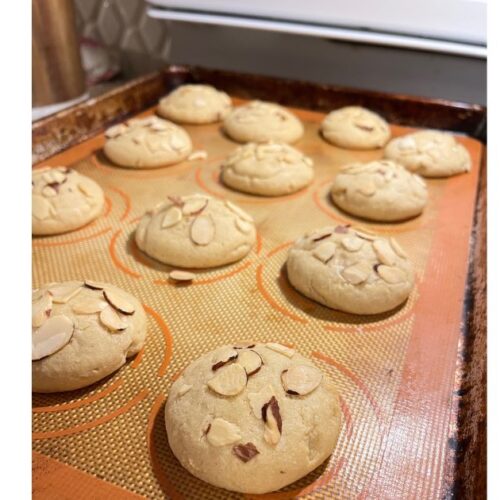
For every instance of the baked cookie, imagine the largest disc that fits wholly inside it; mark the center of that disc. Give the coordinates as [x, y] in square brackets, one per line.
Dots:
[63, 200]
[268, 169]
[82, 332]
[429, 153]
[196, 231]
[354, 127]
[260, 121]
[195, 104]
[252, 418]
[147, 143]
[350, 270]
[379, 190]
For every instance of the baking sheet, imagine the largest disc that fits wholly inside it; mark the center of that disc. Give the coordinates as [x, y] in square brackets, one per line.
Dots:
[394, 371]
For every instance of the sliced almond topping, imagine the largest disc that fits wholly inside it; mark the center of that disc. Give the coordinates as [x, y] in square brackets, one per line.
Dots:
[229, 380]
[366, 236]
[176, 200]
[243, 226]
[88, 305]
[110, 319]
[172, 216]
[159, 126]
[364, 126]
[194, 206]
[367, 187]
[62, 293]
[40, 208]
[352, 243]
[258, 399]
[322, 234]
[251, 362]
[52, 336]
[221, 432]
[301, 380]
[41, 309]
[94, 285]
[177, 143]
[202, 230]
[184, 389]
[357, 273]
[391, 275]
[49, 192]
[272, 418]
[119, 302]
[245, 452]
[238, 211]
[198, 155]
[116, 130]
[58, 176]
[384, 252]
[397, 248]
[325, 251]
[281, 349]
[48, 177]
[224, 357]
[181, 275]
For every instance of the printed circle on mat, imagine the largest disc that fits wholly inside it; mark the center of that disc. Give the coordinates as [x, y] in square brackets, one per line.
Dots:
[252, 417]
[82, 332]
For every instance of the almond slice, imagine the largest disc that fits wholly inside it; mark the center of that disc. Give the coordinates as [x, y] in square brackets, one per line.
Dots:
[88, 305]
[159, 126]
[181, 276]
[41, 309]
[119, 302]
[184, 389]
[245, 452]
[272, 418]
[243, 226]
[58, 176]
[366, 236]
[281, 349]
[391, 275]
[110, 319]
[325, 251]
[94, 285]
[251, 362]
[49, 192]
[301, 380]
[62, 293]
[238, 211]
[397, 248]
[202, 230]
[229, 380]
[258, 399]
[177, 143]
[194, 206]
[116, 130]
[198, 155]
[224, 357]
[352, 243]
[85, 190]
[384, 252]
[52, 336]
[172, 216]
[221, 432]
[366, 187]
[40, 208]
[357, 273]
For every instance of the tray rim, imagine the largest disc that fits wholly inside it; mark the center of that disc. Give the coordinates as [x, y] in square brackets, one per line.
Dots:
[465, 463]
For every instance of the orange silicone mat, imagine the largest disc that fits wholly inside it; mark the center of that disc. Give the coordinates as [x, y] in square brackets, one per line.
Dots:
[395, 372]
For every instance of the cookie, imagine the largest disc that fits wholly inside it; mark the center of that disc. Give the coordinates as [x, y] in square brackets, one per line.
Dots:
[252, 417]
[268, 169]
[429, 153]
[147, 143]
[81, 333]
[196, 231]
[260, 121]
[63, 200]
[354, 127]
[350, 270]
[195, 104]
[380, 191]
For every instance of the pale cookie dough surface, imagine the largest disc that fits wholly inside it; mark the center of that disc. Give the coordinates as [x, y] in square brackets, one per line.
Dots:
[147, 143]
[380, 191]
[196, 231]
[268, 169]
[252, 419]
[260, 121]
[350, 270]
[354, 127]
[429, 153]
[81, 334]
[195, 104]
[63, 200]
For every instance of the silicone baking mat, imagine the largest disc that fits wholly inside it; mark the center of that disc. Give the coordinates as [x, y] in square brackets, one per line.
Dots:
[395, 372]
